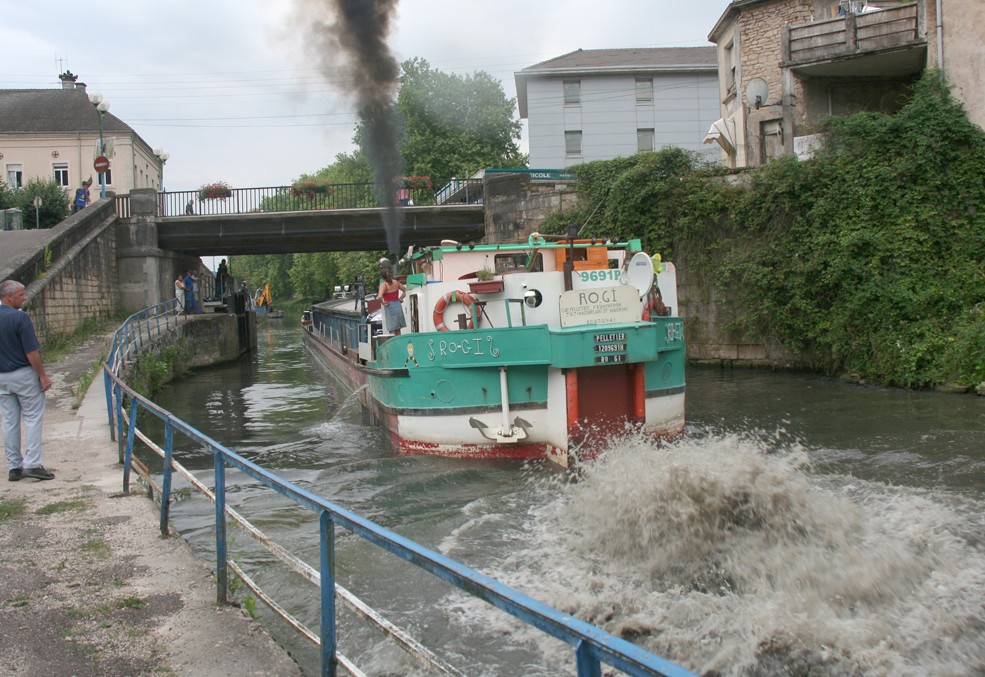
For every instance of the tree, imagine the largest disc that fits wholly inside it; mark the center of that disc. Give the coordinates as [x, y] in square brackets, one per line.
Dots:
[453, 125]
[54, 203]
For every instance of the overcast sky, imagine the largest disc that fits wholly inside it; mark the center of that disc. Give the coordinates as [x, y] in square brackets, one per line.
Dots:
[231, 89]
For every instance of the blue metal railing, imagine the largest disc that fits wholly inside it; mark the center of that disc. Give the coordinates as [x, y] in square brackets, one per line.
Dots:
[592, 646]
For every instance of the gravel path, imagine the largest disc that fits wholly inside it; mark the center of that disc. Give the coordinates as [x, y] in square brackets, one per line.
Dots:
[89, 587]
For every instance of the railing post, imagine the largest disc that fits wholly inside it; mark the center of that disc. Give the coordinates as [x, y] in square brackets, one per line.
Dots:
[588, 665]
[119, 423]
[108, 387]
[128, 453]
[166, 481]
[329, 661]
[221, 566]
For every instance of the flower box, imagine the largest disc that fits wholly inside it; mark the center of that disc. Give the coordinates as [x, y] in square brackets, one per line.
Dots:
[486, 286]
[309, 188]
[215, 191]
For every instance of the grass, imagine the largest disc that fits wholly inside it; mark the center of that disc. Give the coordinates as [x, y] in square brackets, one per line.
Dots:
[96, 547]
[82, 385]
[58, 346]
[11, 509]
[63, 506]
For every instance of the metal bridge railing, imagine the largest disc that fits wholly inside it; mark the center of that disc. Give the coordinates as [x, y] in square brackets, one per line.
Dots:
[300, 198]
[592, 646]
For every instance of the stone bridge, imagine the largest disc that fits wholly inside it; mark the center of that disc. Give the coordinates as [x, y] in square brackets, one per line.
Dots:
[122, 254]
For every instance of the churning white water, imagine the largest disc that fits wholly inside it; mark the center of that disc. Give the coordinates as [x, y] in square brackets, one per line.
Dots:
[727, 555]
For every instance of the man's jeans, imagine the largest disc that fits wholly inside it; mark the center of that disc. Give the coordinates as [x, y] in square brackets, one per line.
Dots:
[21, 398]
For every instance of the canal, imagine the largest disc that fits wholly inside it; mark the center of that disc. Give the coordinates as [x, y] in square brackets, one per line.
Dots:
[803, 525]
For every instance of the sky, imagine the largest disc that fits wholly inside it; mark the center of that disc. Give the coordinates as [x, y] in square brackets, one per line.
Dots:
[236, 91]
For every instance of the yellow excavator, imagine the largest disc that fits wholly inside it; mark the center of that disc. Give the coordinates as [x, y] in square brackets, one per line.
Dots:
[263, 298]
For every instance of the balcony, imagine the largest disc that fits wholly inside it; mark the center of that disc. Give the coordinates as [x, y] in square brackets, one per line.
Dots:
[883, 43]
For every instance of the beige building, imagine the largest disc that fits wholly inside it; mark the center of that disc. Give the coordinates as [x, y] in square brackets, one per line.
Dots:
[56, 133]
[785, 65]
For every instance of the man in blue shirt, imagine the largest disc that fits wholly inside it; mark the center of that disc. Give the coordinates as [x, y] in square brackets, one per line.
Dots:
[23, 383]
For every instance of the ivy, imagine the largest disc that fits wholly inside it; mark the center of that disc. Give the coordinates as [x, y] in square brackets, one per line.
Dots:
[867, 259]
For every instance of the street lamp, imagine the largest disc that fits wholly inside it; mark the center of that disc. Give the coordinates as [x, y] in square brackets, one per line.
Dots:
[162, 156]
[102, 105]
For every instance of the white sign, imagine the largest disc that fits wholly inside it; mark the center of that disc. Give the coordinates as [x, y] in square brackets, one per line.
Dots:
[606, 305]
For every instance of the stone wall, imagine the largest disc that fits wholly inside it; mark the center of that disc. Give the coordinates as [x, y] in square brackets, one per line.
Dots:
[72, 278]
[516, 205]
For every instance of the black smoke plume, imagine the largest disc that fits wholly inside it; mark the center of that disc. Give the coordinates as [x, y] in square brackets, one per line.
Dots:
[358, 33]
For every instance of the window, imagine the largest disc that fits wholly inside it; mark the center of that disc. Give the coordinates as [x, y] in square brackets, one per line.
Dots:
[572, 91]
[509, 263]
[644, 90]
[730, 68]
[109, 177]
[15, 176]
[61, 174]
[644, 140]
[572, 143]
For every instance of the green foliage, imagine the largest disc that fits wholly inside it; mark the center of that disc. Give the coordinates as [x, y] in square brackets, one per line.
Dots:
[11, 508]
[866, 259]
[54, 203]
[250, 604]
[6, 196]
[454, 125]
[153, 370]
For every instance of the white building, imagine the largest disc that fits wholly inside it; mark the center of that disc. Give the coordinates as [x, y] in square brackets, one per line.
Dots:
[55, 133]
[605, 103]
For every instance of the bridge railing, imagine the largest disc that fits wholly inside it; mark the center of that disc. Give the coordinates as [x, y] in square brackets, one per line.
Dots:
[310, 196]
[592, 646]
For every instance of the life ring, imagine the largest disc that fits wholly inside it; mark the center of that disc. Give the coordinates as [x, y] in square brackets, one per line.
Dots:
[451, 297]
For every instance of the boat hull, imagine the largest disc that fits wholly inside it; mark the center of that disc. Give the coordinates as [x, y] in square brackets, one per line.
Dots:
[442, 393]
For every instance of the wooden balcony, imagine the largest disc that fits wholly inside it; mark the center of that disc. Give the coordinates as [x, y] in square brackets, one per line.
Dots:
[885, 42]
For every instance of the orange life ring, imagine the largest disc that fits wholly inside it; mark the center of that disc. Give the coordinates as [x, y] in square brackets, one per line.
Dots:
[451, 297]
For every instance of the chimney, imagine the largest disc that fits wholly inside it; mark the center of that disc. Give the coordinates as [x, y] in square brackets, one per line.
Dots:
[81, 86]
[68, 80]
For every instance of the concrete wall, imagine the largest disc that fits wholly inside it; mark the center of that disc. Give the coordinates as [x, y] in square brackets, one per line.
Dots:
[964, 52]
[146, 272]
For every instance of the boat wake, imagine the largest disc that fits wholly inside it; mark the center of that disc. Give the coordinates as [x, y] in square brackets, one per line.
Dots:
[729, 555]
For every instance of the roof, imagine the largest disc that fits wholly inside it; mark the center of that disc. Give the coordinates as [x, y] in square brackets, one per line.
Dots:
[610, 61]
[40, 111]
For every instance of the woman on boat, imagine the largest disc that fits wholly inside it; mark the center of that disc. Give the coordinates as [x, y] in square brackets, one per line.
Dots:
[392, 292]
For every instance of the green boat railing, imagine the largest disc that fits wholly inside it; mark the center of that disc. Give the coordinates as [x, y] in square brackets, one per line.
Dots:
[592, 646]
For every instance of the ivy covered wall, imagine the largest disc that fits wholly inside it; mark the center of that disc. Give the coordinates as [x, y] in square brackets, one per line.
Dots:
[868, 259]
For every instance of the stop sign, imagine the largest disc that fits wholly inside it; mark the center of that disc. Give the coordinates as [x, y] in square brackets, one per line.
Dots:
[100, 164]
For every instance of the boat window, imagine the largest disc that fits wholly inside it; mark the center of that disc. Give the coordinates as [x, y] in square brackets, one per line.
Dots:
[415, 317]
[508, 263]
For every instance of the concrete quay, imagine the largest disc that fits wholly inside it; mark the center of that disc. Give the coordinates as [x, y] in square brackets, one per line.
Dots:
[89, 585]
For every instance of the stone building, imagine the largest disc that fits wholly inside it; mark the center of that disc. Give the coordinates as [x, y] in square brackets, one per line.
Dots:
[55, 133]
[785, 65]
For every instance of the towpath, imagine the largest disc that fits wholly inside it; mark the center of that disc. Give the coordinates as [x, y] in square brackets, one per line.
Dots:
[89, 587]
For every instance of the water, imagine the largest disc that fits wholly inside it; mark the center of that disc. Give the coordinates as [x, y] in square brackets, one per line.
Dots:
[803, 526]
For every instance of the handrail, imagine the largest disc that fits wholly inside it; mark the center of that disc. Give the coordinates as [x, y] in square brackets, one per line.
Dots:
[290, 199]
[592, 645]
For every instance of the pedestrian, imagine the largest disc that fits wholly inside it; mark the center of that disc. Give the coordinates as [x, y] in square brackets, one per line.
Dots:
[190, 207]
[191, 306]
[221, 273]
[23, 383]
[392, 292]
[179, 293]
[81, 196]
